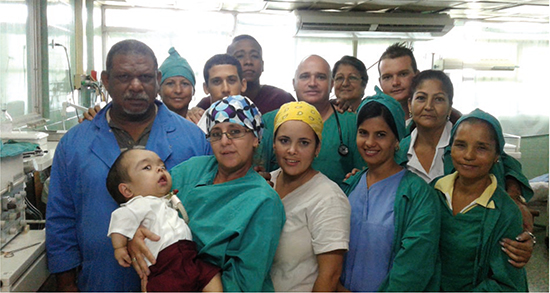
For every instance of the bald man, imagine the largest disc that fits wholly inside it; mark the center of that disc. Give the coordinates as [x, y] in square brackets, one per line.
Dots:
[339, 155]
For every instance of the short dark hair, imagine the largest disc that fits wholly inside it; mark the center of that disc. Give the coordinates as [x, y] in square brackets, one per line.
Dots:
[221, 59]
[243, 37]
[356, 63]
[375, 109]
[398, 50]
[129, 46]
[431, 74]
[118, 174]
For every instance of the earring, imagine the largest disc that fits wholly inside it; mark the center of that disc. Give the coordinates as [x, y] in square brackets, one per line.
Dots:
[410, 114]
[449, 117]
[397, 148]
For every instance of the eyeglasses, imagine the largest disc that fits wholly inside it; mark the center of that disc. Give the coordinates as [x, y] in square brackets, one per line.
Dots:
[216, 135]
[351, 79]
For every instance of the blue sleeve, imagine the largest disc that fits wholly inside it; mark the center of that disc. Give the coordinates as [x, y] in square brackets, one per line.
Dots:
[61, 233]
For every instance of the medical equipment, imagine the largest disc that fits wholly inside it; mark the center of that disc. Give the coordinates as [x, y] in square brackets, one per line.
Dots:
[343, 149]
[12, 211]
[176, 203]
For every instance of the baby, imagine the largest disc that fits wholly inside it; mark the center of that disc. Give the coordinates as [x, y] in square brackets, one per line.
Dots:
[140, 183]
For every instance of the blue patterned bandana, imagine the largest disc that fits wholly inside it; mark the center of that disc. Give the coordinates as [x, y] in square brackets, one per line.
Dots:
[235, 109]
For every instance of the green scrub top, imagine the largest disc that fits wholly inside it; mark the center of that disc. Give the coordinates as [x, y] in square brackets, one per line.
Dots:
[235, 224]
[483, 266]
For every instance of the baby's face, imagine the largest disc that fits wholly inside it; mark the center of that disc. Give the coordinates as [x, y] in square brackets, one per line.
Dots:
[148, 175]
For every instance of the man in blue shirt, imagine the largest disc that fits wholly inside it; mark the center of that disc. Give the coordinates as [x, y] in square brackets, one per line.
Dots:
[79, 205]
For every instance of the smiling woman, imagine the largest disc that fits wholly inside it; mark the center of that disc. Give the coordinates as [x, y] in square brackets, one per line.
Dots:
[350, 80]
[213, 188]
[316, 233]
[394, 204]
[477, 211]
[178, 83]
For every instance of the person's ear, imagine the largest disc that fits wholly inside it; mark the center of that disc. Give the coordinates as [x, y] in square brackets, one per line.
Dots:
[243, 85]
[256, 142]
[318, 149]
[125, 190]
[396, 145]
[262, 65]
[205, 87]
[105, 78]
[159, 78]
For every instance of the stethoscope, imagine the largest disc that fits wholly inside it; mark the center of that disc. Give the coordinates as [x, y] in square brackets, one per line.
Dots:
[343, 149]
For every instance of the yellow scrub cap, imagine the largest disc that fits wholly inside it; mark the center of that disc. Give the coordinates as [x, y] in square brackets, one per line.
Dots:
[300, 111]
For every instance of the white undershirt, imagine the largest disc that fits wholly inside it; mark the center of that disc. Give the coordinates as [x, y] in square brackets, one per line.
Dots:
[437, 167]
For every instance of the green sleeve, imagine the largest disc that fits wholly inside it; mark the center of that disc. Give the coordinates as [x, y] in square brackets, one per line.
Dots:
[415, 265]
[250, 255]
[349, 184]
[401, 155]
[512, 168]
[350, 134]
[500, 275]
[264, 154]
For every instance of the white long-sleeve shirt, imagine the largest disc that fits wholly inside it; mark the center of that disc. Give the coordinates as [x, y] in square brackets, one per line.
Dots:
[155, 214]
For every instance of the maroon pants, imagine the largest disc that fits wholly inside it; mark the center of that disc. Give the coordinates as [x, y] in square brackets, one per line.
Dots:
[179, 269]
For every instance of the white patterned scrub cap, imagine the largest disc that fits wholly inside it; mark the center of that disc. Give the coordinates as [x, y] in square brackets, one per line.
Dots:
[235, 109]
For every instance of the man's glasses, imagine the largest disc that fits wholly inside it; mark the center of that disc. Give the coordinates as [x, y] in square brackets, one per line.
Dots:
[216, 135]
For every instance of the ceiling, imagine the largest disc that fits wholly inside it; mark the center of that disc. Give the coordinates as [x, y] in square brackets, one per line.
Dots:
[488, 10]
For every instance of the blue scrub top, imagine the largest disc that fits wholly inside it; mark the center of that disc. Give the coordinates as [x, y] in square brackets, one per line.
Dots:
[368, 260]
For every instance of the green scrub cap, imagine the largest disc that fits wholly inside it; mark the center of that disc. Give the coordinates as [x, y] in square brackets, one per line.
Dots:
[392, 105]
[175, 65]
[482, 115]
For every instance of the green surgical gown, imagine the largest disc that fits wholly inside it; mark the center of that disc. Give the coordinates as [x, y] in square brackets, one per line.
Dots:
[235, 224]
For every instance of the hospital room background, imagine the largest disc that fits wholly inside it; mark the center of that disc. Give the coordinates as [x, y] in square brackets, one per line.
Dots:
[52, 53]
